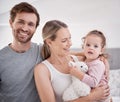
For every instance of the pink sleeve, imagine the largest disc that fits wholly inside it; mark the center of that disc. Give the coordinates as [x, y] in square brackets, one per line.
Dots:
[94, 75]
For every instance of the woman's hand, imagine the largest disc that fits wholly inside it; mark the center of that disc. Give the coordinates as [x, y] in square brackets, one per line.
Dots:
[101, 92]
[107, 67]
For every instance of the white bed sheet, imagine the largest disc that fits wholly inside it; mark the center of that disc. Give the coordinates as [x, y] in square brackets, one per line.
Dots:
[116, 99]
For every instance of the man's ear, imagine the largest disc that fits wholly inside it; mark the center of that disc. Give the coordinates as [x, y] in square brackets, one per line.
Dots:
[10, 22]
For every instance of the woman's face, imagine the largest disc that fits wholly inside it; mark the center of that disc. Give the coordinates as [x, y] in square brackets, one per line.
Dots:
[61, 45]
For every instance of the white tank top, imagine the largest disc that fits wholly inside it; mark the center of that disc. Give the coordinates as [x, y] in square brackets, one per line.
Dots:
[60, 81]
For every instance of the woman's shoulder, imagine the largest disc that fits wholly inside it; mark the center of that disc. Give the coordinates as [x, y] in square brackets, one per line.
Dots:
[40, 67]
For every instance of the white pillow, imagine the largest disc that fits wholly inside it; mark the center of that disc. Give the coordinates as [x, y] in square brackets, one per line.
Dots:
[114, 82]
[116, 99]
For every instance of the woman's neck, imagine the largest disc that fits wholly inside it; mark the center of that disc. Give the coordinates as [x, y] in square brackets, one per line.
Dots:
[61, 63]
[60, 59]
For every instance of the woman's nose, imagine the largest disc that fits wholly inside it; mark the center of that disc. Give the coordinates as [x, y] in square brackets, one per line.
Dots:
[70, 43]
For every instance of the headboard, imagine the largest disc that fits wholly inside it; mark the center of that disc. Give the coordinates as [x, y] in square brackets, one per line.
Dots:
[114, 57]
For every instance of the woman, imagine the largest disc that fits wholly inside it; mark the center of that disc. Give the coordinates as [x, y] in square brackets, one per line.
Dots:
[52, 75]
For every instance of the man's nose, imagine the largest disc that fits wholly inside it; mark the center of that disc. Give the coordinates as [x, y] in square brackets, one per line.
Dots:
[25, 27]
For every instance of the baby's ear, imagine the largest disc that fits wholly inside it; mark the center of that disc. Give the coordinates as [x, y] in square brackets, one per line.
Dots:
[103, 50]
[82, 46]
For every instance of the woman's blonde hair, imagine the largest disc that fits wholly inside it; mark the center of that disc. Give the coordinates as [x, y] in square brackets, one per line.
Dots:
[49, 32]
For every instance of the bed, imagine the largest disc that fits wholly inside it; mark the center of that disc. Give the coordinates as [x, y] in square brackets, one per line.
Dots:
[114, 81]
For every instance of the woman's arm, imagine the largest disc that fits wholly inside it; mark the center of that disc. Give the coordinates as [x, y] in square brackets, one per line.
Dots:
[43, 83]
[80, 55]
[107, 68]
[77, 53]
[97, 93]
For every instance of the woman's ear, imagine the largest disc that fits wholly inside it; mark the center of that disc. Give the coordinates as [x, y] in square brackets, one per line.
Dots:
[48, 41]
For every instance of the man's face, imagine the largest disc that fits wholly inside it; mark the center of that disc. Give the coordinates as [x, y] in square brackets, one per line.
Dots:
[23, 27]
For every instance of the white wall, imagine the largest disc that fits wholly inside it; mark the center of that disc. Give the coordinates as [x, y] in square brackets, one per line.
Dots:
[81, 16]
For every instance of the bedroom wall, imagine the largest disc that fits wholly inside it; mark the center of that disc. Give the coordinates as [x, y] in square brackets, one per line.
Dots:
[81, 17]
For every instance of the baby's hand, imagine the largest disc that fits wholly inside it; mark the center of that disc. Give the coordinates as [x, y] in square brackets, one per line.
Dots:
[72, 66]
[78, 69]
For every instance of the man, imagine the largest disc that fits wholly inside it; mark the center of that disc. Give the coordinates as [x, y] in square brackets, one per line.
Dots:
[17, 60]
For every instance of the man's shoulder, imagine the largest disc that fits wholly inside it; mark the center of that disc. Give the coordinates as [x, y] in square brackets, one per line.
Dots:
[36, 44]
[36, 47]
[3, 52]
[3, 49]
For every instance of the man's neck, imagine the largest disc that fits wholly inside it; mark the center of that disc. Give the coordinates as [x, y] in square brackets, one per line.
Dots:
[20, 47]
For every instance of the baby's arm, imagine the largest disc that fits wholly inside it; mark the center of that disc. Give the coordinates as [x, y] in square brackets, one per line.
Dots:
[77, 73]
[94, 75]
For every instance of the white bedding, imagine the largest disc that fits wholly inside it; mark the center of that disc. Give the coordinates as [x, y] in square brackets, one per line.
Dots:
[114, 83]
[116, 99]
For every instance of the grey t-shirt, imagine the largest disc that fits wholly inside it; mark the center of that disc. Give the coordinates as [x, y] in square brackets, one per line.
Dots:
[16, 74]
